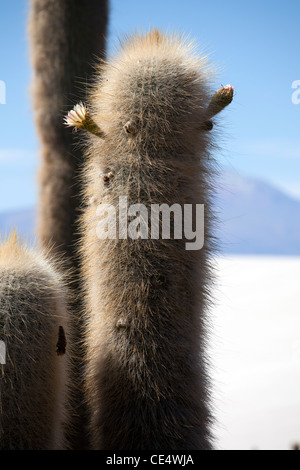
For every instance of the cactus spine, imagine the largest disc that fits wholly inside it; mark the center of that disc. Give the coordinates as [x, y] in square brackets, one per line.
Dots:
[65, 36]
[34, 327]
[146, 299]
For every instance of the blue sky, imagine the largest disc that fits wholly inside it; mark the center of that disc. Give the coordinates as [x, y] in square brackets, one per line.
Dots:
[255, 46]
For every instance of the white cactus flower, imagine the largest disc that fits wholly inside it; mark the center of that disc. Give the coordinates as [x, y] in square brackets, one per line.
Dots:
[77, 116]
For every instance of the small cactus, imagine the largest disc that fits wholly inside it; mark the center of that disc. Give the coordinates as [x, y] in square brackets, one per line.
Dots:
[34, 327]
[147, 384]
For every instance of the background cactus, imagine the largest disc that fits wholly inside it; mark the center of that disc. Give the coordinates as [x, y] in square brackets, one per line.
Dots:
[34, 326]
[146, 300]
[65, 37]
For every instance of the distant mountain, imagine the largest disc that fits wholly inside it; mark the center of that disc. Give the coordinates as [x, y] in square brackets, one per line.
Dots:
[254, 218]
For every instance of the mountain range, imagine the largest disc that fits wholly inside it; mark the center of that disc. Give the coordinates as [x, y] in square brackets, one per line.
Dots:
[256, 218]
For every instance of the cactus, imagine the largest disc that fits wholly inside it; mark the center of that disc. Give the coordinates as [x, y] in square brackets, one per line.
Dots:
[65, 36]
[34, 327]
[147, 300]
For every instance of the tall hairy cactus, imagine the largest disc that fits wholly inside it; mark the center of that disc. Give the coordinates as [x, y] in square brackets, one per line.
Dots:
[65, 37]
[149, 117]
[34, 327]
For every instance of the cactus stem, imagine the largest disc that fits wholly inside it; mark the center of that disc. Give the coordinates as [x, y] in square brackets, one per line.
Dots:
[219, 101]
[146, 325]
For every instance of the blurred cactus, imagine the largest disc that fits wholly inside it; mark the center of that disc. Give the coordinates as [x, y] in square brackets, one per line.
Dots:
[65, 37]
